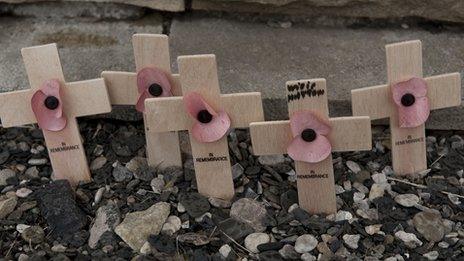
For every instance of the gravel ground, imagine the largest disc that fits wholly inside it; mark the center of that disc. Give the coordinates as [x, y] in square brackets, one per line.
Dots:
[130, 211]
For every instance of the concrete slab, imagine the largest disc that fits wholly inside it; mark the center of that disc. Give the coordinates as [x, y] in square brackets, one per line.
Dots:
[86, 48]
[253, 56]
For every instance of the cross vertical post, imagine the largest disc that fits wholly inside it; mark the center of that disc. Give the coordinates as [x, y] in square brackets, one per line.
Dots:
[408, 146]
[198, 74]
[315, 181]
[150, 51]
[83, 98]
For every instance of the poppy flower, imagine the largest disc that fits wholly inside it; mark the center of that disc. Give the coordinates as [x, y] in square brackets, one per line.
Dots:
[310, 143]
[411, 100]
[209, 125]
[151, 83]
[47, 106]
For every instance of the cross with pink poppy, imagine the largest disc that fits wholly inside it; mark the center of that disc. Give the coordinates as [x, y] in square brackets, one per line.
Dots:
[153, 79]
[309, 138]
[54, 104]
[407, 100]
[207, 115]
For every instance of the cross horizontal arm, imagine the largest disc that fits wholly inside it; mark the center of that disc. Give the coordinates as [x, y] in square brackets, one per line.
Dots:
[443, 91]
[348, 134]
[168, 114]
[122, 87]
[80, 99]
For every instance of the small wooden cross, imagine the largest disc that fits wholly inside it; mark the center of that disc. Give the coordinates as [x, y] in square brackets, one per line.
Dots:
[315, 181]
[79, 99]
[198, 73]
[151, 51]
[408, 146]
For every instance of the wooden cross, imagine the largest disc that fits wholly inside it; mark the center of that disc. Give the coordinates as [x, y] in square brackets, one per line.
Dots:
[198, 73]
[408, 146]
[315, 181]
[82, 98]
[150, 50]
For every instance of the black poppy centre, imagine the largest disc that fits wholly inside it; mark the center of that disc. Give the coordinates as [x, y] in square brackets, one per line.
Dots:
[155, 90]
[204, 116]
[408, 100]
[308, 135]
[51, 102]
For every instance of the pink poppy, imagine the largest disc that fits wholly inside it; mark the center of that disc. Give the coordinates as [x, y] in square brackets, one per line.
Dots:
[47, 106]
[411, 101]
[310, 143]
[209, 125]
[151, 83]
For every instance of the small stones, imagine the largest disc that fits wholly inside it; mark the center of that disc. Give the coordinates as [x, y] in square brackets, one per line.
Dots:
[409, 239]
[305, 243]
[107, 218]
[195, 204]
[430, 225]
[7, 206]
[137, 226]
[225, 250]
[172, 225]
[250, 212]
[407, 200]
[23, 192]
[98, 163]
[343, 215]
[6, 174]
[353, 166]
[157, 185]
[121, 173]
[288, 252]
[34, 234]
[252, 241]
[351, 240]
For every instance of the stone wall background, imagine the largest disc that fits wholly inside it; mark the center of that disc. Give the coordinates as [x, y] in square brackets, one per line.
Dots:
[260, 44]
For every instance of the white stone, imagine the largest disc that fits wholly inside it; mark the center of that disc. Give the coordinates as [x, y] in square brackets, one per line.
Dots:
[145, 249]
[172, 225]
[271, 159]
[407, 200]
[98, 163]
[23, 192]
[432, 255]
[252, 241]
[351, 240]
[225, 250]
[343, 215]
[379, 178]
[305, 243]
[409, 239]
[308, 257]
[353, 166]
[157, 185]
[21, 227]
[377, 191]
[373, 229]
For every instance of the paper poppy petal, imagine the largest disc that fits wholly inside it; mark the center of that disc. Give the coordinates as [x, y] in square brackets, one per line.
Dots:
[311, 152]
[148, 76]
[212, 131]
[194, 103]
[302, 120]
[52, 120]
[414, 86]
[140, 105]
[414, 115]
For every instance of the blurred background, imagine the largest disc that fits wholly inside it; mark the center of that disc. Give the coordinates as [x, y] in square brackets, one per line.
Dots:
[259, 44]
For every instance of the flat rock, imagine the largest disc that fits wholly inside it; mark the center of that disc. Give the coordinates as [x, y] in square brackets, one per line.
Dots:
[305, 243]
[250, 212]
[407, 200]
[107, 218]
[448, 10]
[137, 226]
[248, 52]
[58, 207]
[252, 241]
[430, 225]
[409, 239]
[7, 206]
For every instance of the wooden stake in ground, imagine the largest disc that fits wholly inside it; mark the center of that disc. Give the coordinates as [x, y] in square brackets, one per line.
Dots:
[151, 52]
[315, 181]
[198, 77]
[56, 112]
[404, 62]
